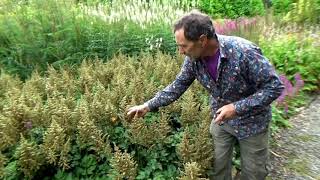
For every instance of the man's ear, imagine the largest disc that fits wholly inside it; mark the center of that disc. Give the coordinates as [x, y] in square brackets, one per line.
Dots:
[203, 40]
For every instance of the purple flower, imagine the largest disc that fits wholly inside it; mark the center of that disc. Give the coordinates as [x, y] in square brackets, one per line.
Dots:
[299, 83]
[28, 125]
[288, 86]
[281, 98]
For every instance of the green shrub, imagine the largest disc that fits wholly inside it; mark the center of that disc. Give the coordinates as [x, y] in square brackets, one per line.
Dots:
[304, 11]
[232, 9]
[281, 7]
[295, 53]
[41, 32]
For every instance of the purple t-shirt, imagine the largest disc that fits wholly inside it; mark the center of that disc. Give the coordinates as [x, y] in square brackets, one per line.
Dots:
[212, 63]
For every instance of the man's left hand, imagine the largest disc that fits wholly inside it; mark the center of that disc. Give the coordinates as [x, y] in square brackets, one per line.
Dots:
[225, 113]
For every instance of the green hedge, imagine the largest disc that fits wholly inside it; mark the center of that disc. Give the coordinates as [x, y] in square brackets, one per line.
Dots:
[232, 9]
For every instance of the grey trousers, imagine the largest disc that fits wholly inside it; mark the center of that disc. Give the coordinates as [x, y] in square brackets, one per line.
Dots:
[253, 152]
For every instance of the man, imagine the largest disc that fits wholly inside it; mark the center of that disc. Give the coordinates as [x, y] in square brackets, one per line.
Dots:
[241, 83]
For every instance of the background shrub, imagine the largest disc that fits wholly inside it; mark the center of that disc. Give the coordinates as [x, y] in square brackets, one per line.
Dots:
[295, 53]
[232, 9]
[39, 33]
[281, 7]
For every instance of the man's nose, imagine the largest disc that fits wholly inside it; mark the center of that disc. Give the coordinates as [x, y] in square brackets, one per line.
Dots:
[181, 50]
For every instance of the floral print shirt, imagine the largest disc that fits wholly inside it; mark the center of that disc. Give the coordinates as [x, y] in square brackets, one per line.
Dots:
[245, 78]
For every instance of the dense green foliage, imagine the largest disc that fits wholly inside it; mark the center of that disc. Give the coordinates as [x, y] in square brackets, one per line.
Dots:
[295, 53]
[47, 32]
[282, 6]
[297, 11]
[304, 11]
[232, 9]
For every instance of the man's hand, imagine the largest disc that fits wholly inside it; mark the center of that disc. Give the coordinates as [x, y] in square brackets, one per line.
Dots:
[137, 111]
[225, 113]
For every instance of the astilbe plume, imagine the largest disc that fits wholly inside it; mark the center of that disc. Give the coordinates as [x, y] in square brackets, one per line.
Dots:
[86, 75]
[148, 134]
[151, 66]
[23, 109]
[123, 165]
[8, 82]
[102, 108]
[120, 84]
[203, 140]
[3, 161]
[175, 107]
[150, 89]
[136, 87]
[191, 172]
[62, 110]
[61, 82]
[123, 108]
[197, 145]
[90, 135]
[166, 68]
[186, 148]
[8, 132]
[55, 145]
[33, 108]
[190, 109]
[29, 157]
[90, 72]
[64, 155]
[35, 85]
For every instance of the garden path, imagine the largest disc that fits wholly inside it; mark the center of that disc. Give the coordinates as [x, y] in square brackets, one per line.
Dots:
[296, 153]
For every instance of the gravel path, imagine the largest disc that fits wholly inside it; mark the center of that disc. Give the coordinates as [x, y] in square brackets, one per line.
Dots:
[296, 153]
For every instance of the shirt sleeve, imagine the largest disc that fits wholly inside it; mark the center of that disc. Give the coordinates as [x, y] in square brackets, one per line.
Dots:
[262, 76]
[173, 91]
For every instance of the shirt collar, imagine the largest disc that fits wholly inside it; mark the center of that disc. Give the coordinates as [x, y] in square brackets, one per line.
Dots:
[221, 46]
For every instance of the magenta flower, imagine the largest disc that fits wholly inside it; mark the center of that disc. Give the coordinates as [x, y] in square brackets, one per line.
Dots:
[28, 125]
[299, 83]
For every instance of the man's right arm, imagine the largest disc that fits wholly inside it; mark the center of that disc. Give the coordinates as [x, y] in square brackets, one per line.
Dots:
[169, 94]
[173, 91]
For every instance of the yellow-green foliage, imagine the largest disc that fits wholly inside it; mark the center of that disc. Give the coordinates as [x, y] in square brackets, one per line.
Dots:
[3, 161]
[197, 145]
[304, 11]
[149, 134]
[124, 166]
[29, 156]
[190, 108]
[191, 172]
[82, 108]
[90, 135]
[56, 145]
[8, 132]
[7, 83]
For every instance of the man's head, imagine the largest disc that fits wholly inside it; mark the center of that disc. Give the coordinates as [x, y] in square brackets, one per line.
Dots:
[192, 33]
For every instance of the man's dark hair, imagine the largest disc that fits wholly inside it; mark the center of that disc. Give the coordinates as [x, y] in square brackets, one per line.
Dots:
[195, 24]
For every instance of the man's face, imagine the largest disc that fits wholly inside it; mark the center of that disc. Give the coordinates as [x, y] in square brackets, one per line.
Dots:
[192, 49]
